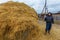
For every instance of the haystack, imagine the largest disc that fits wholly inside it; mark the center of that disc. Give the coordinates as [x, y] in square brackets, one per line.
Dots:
[18, 21]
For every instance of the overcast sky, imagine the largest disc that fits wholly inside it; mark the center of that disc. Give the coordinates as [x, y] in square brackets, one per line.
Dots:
[53, 5]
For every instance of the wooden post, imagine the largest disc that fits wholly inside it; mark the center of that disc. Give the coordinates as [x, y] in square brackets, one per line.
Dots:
[45, 9]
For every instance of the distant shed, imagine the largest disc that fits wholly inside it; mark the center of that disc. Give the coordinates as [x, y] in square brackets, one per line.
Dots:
[56, 16]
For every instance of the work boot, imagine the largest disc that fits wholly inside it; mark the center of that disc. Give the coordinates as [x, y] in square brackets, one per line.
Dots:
[45, 32]
[48, 32]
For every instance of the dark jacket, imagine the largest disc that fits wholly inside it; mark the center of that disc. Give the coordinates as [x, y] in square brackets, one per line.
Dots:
[49, 19]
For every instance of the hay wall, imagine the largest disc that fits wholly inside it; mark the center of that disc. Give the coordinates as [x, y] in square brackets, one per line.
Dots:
[18, 22]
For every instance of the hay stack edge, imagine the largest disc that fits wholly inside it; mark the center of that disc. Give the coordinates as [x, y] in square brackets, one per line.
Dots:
[18, 21]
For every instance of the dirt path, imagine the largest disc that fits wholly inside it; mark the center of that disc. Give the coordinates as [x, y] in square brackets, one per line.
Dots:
[55, 32]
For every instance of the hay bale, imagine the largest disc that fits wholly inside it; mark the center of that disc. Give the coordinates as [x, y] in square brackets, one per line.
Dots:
[18, 22]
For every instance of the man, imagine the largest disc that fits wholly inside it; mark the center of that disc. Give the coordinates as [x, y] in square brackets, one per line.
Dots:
[49, 21]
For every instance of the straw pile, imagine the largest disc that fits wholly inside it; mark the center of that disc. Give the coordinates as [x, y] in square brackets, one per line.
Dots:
[18, 22]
